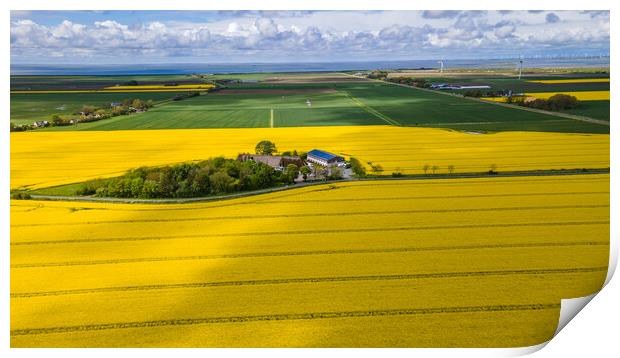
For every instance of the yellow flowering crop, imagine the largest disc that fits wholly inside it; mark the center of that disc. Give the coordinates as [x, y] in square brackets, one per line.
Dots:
[574, 80]
[582, 96]
[42, 159]
[161, 87]
[461, 262]
[130, 89]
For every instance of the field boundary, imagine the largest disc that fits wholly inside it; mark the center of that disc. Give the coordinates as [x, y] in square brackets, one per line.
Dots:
[540, 111]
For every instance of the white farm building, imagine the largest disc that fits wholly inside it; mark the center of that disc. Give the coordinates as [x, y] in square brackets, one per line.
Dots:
[325, 159]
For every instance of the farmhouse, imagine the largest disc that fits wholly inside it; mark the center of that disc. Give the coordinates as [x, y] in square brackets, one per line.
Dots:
[39, 124]
[277, 162]
[325, 158]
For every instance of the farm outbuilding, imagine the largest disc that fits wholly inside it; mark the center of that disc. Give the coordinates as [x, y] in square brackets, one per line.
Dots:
[324, 158]
[277, 162]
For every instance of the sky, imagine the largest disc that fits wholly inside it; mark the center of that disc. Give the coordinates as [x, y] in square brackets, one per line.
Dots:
[119, 37]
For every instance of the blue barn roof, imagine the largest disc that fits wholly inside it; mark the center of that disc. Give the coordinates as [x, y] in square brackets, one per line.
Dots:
[323, 155]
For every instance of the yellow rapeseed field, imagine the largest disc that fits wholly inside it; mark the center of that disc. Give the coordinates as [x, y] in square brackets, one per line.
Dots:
[161, 87]
[403, 263]
[124, 90]
[581, 95]
[574, 80]
[42, 159]
[495, 99]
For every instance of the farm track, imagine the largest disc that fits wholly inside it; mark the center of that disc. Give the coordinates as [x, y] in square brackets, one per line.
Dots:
[370, 110]
[419, 180]
[556, 114]
[313, 252]
[282, 317]
[324, 231]
[310, 280]
[362, 199]
[328, 214]
[271, 118]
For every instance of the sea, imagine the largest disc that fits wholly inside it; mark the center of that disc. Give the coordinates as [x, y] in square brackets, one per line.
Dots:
[225, 68]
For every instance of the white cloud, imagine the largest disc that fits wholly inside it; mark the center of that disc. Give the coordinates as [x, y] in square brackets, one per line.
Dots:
[310, 36]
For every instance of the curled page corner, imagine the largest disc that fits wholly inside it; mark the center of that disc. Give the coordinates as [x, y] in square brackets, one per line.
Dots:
[523, 351]
[569, 308]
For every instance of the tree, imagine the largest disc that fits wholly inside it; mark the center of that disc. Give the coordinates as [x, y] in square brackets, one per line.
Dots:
[397, 173]
[265, 147]
[138, 104]
[335, 173]
[377, 169]
[319, 170]
[264, 176]
[305, 171]
[220, 182]
[451, 168]
[167, 182]
[88, 110]
[562, 101]
[426, 168]
[150, 189]
[291, 173]
[357, 167]
[57, 120]
[378, 74]
[434, 168]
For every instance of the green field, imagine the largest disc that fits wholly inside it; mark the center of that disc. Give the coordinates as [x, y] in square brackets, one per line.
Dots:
[284, 104]
[243, 110]
[30, 107]
[599, 110]
[414, 107]
[592, 109]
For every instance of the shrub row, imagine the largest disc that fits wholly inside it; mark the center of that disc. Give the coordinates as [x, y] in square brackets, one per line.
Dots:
[215, 176]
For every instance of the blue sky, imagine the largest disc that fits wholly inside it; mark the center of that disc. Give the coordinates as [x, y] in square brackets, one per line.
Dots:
[106, 37]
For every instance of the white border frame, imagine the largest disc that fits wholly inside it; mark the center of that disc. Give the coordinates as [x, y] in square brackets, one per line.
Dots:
[593, 330]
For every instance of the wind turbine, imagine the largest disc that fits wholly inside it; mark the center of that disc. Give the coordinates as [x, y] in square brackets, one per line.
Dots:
[520, 66]
[440, 62]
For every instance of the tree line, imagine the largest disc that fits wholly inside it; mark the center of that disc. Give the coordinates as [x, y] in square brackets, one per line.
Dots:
[90, 113]
[557, 102]
[215, 176]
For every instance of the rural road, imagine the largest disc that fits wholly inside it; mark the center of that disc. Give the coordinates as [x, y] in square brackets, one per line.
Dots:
[305, 184]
